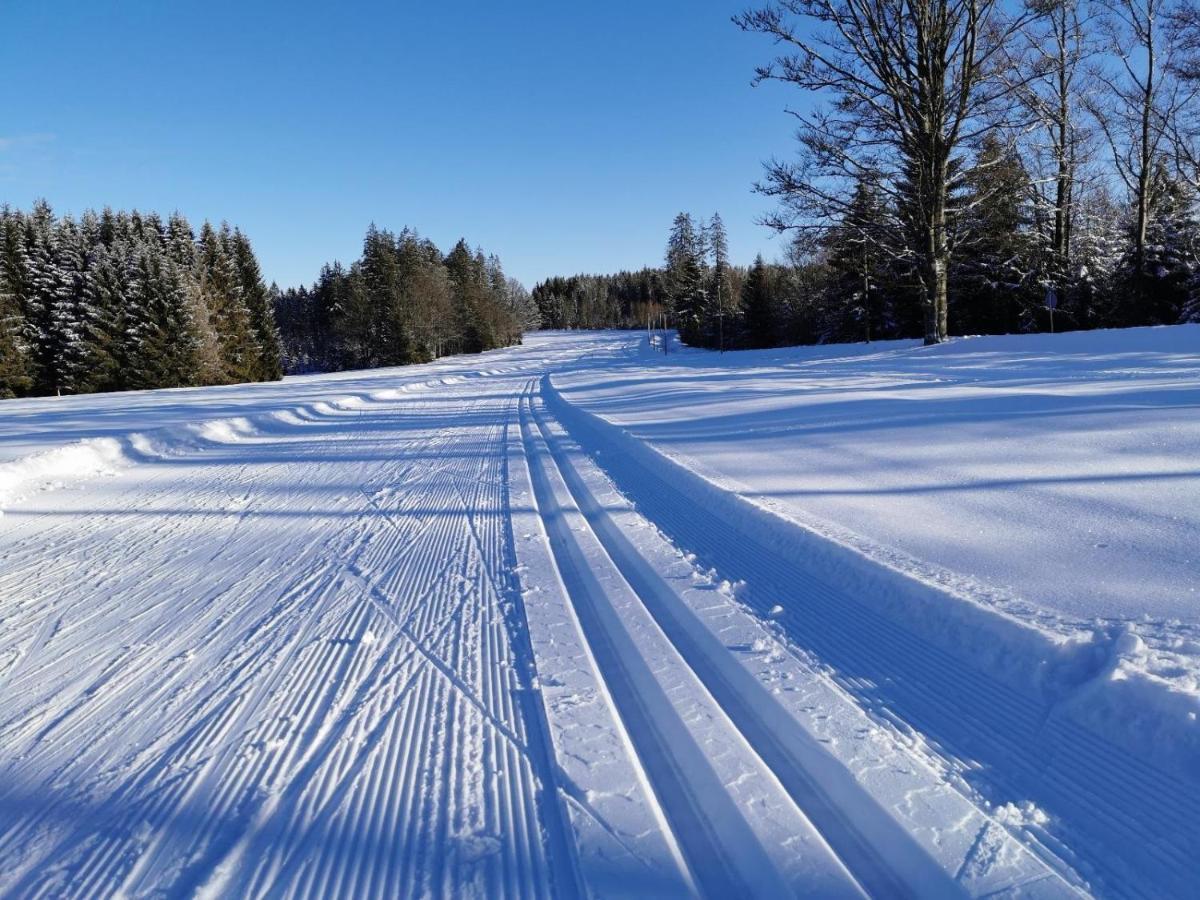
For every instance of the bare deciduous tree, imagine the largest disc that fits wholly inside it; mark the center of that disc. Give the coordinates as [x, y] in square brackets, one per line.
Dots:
[1055, 48]
[911, 84]
[1184, 24]
[1142, 99]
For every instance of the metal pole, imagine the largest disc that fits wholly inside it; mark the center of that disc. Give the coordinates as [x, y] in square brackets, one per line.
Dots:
[720, 314]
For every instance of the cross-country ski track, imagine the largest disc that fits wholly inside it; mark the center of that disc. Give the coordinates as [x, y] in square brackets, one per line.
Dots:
[443, 631]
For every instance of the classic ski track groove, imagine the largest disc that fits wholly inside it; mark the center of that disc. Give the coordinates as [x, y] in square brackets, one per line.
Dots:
[725, 850]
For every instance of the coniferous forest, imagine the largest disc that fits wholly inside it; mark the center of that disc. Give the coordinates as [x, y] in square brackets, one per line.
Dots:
[124, 301]
[402, 302]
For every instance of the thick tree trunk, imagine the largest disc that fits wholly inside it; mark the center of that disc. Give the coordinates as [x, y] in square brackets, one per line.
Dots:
[937, 260]
[934, 303]
[942, 295]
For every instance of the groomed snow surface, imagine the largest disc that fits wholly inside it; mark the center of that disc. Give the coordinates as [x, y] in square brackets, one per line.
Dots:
[581, 618]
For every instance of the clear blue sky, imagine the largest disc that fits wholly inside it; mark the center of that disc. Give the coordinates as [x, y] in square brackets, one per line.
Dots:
[562, 136]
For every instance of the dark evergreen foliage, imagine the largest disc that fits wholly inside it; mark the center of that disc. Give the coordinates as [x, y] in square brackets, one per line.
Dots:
[856, 281]
[116, 301]
[401, 302]
[624, 300]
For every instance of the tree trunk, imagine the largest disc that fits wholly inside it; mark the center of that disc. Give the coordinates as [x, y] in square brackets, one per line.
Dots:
[937, 261]
[1064, 150]
[1145, 153]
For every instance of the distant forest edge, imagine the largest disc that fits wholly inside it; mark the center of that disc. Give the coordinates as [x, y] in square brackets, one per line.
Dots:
[402, 302]
[125, 301]
[845, 288]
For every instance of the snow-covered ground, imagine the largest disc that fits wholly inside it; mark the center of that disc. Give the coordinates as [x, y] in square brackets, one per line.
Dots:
[578, 618]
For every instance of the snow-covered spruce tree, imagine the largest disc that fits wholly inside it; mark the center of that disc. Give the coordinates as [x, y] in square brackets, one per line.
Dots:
[493, 323]
[15, 366]
[500, 305]
[160, 341]
[998, 286]
[385, 332]
[43, 286]
[762, 317]
[104, 306]
[72, 343]
[1154, 286]
[468, 285]
[427, 295]
[221, 290]
[257, 298]
[912, 84]
[686, 280]
[859, 251]
[1098, 244]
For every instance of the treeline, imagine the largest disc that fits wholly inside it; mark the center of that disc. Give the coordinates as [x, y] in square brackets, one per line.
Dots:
[402, 302]
[624, 300]
[117, 301]
[856, 283]
[987, 161]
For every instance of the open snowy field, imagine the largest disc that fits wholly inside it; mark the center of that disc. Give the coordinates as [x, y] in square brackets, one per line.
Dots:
[580, 618]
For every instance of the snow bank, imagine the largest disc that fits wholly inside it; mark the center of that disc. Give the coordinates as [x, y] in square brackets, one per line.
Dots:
[75, 463]
[42, 471]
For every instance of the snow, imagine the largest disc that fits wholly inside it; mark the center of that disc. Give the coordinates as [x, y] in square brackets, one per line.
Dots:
[1005, 459]
[578, 618]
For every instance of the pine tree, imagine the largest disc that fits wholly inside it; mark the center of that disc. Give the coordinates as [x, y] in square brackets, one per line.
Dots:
[466, 288]
[181, 243]
[386, 337]
[103, 306]
[1097, 249]
[997, 282]
[428, 295]
[160, 343]
[43, 288]
[71, 331]
[856, 306]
